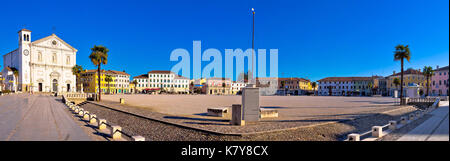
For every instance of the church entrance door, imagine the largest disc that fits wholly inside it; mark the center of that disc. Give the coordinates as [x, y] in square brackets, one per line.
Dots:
[55, 85]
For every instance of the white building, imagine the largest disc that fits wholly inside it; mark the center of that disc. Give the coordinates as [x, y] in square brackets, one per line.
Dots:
[237, 86]
[162, 80]
[44, 65]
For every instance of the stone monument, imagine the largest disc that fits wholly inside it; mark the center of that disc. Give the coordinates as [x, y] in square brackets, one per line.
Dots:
[250, 104]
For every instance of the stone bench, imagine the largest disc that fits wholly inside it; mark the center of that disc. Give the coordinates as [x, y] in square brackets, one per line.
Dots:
[268, 113]
[219, 112]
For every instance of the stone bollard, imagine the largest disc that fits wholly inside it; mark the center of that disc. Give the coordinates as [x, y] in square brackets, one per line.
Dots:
[115, 134]
[122, 101]
[76, 110]
[86, 115]
[138, 138]
[81, 113]
[392, 125]
[411, 116]
[403, 120]
[377, 131]
[418, 114]
[92, 119]
[353, 137]
[101, 124]
[236, 116]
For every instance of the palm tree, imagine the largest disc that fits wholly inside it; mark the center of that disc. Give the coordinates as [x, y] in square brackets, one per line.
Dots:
[108, 79]
[428, 72]
[98, 57]
[396, 82]
[134, 82]
[402, 52]
[77, 70]
[370, 87]
[16, 78]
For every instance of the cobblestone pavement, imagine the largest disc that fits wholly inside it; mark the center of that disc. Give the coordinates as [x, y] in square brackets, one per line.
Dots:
[25, 117]
[155, 130]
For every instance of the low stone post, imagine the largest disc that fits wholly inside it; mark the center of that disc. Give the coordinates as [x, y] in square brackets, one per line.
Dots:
[122, 101]
[392, 125]
[236, 116]
[377, 131]
[138, 138]
[115, 134]
[418, 114]
[92, 119]
[411, 116]
[86, 115]
[403, 120]
[101, 124]
[353, 137]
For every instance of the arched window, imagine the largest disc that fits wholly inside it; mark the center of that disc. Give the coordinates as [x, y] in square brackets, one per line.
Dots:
[68, 60]
[40, 57]
[24, 37]
[54, 58]
[28, 37]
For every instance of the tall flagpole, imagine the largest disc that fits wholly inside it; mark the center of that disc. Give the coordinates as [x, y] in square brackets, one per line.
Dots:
[253, 47]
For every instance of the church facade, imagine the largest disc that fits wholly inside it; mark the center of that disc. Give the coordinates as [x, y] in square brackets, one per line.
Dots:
[43, 65]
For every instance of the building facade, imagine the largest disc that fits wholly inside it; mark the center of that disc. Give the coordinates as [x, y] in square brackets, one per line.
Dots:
[44, 65]
[162, 81]
[410, 77]
[439, 82]
[217, 86]
[236, 87]
[345, 86]
[294, 86]
[119, 84]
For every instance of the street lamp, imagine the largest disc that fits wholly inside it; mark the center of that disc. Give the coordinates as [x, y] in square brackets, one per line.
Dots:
[251, 83]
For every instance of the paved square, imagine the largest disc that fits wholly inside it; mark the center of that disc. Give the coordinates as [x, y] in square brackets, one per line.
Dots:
[289, 107]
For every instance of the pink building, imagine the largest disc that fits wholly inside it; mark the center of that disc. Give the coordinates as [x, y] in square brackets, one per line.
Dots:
[439, 82]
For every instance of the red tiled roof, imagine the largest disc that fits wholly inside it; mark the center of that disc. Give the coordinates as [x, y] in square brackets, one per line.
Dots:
[341, 79]
[141, 76]
[117, 72]
[443, 68]
[408, 71]
[24, 30]
[295, 79]
[160, 71]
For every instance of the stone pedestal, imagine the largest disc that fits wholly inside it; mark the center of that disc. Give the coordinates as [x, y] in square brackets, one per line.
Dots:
[236, 117]
[250, 104]
[404, 101]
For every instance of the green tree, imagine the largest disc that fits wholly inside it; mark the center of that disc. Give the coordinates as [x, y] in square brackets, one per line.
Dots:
[370, 87]
[99, 56]
[402, 52]
[396, 82]
[77, 70]
[134, 82]
[16, 78]
[428, 72]
[108, 79]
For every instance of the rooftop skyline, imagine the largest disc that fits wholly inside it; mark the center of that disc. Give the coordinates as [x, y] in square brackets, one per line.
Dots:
[315, 39]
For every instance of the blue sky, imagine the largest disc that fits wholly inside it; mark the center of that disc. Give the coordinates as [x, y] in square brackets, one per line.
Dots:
[315, 39]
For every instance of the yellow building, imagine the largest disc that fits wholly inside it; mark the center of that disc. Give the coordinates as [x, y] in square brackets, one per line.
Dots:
[118, 84]
[410, 76]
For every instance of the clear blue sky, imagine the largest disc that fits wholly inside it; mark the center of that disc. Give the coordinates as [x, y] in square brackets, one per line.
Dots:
[315, 39]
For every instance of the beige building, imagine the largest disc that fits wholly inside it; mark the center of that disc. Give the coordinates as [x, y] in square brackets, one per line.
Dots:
[217, 86]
